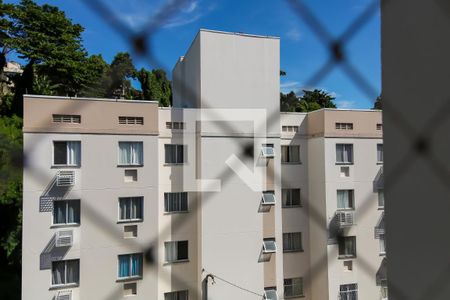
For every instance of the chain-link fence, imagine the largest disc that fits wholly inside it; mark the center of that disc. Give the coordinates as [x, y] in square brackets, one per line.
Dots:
[141, 43]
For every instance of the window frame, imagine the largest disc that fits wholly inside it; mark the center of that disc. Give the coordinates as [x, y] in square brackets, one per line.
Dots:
[74, 119]
[341, 246]
[180, 199]
[350, 200]
[66, 208]
[65, 284]
[169, 295]
[343, 126]
[178, 259]
[293, 285]
[380, 192]
[175, 146]
[382, 242]
[344, 145]
[290, 197]
[270, 289]
[131, 220]
[290, 236]
[348, 289]
[269, 242]
[267, 151]
[131, 165]
[287, 160]
[66, 165]
[264, 193]
[380, 145]
[130, 263]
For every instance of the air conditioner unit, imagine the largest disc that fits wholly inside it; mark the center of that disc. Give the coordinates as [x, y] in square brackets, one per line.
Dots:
[267, 151]
[345, 218]
[64, 238]
[64, 295]
[65, 178]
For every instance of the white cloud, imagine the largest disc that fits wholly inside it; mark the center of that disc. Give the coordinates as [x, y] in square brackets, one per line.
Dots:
[176, 22]
[294, 34]
[192, 6]
[288, 86]
[345, 103]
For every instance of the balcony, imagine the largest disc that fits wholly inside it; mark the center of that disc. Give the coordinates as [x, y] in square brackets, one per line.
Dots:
[65, 178]
[345, 218]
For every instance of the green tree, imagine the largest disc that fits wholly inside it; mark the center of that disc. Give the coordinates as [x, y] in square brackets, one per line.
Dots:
[10, 205]
[377, 103]
[155, 86]
[49, 43]
[121, 71]
[98, 76]
[322, 98]
[309, 101]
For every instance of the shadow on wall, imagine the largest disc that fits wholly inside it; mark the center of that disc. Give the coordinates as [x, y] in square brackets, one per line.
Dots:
[52, 192]
[52, 253]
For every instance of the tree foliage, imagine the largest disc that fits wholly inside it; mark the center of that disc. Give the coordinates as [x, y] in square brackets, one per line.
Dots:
[155, 86]
[377, 103]
[309, 101]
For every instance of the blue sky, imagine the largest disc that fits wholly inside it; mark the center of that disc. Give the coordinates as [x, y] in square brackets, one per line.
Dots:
[301, 52]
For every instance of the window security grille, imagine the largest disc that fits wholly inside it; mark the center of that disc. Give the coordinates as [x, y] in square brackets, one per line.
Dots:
[75, 119]
[131, 120]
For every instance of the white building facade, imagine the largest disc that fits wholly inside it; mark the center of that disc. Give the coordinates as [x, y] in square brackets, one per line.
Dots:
[221, 196]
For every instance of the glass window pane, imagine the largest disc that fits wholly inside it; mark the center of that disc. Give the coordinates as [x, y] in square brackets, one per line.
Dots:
[59, 212]
[124, 266]
[60, 153]
[73, 270]
[182, 250]
[73, 211]
[58, 272]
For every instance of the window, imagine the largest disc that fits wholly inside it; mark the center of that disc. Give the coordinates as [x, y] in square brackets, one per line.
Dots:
[130, 265]
[345, 199]
[290, 197]
[380, 198]
[382, 244]
[344, 126]
[269, 245]
[66, 153]
[380, 153]
[130, 208]
[292, 241]
[289, 128]
[293, 287]
[75, 119]
[131, 120]
[66, 272]
[379, 126]
[267, 151]
[175, 202]
[175, 125]
[176, 251]
[66, 212]
[131, 154]
[347, 246]
[344, 153]
[174, 154]
[290, 154]
[268, 198]
[348, 292]
[179, 295]
[270, 293]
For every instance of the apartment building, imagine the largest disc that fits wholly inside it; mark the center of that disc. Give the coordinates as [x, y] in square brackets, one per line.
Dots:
[126, 199]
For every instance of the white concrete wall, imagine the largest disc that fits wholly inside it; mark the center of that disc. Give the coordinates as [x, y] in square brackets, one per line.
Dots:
[363, 173]
[99, 238]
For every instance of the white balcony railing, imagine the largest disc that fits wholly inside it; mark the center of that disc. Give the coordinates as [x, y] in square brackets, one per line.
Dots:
[64, 295]
[64, 238]
[65, 178]
[345, 218]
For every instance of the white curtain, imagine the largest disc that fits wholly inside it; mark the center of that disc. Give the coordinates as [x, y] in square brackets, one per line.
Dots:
[342, 199]
[130, 153]
[58, 273]
[73, 153]
[171, 251]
